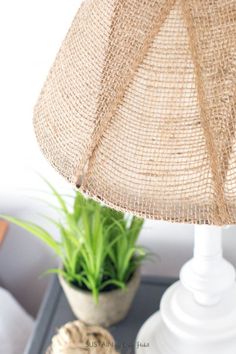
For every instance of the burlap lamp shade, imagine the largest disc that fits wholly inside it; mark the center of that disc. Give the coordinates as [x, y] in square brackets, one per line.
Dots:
[138, 109]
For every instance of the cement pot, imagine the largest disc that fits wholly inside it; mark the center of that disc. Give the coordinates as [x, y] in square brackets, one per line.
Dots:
[111, 308]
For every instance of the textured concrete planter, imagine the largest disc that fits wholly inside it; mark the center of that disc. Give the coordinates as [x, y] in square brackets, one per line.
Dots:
[112, 307]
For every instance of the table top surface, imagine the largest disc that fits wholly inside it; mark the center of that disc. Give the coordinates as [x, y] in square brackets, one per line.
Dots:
[55, 312]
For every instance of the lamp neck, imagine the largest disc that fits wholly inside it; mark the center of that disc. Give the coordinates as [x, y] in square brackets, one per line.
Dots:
[208, 275]
[207, 241]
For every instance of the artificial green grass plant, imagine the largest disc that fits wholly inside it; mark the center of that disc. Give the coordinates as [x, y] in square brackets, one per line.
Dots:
[98, 246]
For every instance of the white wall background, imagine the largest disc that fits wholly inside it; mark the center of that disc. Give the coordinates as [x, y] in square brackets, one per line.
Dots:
[30, 35]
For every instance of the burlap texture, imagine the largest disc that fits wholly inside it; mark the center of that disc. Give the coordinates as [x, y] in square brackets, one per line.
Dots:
[138, 109]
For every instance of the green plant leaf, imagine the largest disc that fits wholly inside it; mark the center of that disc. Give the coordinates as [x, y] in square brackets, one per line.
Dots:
[55, 271]
[56, 194]
[117, 283]
[36, 231]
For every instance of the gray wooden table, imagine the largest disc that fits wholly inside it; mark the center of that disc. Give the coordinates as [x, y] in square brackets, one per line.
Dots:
[55, 312]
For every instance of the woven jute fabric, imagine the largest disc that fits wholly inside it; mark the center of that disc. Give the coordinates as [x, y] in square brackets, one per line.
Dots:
[138, 109]
[77, 338]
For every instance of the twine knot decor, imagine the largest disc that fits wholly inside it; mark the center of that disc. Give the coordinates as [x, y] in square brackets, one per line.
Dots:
[78, 338]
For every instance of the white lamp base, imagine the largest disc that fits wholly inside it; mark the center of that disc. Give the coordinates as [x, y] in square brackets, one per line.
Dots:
[198, 313]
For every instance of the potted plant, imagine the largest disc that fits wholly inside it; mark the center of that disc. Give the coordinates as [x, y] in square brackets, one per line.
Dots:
[99, 255]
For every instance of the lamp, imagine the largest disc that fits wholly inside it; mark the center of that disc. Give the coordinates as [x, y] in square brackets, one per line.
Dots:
[138, 111]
